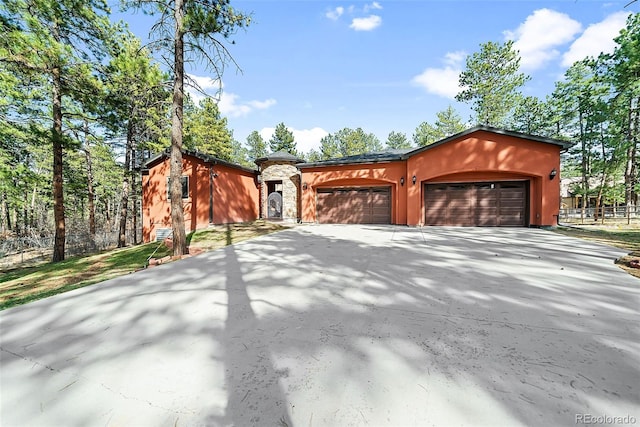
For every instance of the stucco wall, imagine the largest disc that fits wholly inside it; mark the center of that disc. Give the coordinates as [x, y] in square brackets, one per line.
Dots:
[377, 174]
[479, 156]
[235, 196]
[484, 156]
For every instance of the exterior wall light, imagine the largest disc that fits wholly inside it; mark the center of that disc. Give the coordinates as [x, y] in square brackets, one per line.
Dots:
[553, 174]
[304, 186]
[413, 180]
[402, 181]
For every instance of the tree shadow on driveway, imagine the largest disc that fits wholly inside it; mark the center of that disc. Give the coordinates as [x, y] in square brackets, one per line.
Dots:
[338, 325]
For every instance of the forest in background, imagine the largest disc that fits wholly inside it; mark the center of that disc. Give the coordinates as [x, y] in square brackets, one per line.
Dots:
[85, 103]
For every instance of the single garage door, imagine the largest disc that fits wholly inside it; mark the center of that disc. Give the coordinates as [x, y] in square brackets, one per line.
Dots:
[360, 205]
[493, 204]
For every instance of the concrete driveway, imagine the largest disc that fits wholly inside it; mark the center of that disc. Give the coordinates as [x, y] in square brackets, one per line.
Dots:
[338, 325]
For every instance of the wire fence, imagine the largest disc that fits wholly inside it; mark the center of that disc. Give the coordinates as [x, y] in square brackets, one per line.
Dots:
[29, 250]
[610, 215]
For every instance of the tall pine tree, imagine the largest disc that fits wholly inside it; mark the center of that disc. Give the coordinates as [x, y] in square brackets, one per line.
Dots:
[61, 39]
[189, 29]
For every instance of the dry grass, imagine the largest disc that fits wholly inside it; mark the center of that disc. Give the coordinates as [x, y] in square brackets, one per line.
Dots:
[223, 235]
[30, 283]
[621, 236]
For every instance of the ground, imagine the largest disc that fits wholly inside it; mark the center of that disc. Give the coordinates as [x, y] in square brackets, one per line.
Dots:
[338, 325]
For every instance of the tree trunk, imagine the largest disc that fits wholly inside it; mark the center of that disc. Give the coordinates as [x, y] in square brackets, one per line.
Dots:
[177, 215]
[90, 192]
[630, 166]
[124, 203]
[584, 169]
[134, 197]
[107, 215]
[32, 208]
[4, 219]
[25, 215]
[58, 194]
[634, 132]
[603, 177]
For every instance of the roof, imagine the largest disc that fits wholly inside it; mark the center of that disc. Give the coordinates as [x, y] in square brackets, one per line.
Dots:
[376, 157]
[564, 145]
[199, 155]
[393, 155]
[279, 156]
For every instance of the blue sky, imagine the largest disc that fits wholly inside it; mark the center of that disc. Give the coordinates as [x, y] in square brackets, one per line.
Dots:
[319, 66]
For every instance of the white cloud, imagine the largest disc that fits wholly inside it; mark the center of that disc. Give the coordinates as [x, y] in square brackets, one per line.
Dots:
[262, 105]
[205, 84]
[227, 101]
[366, 24]
[596, 39]
[229, 106]
[443, 81]
[335, 13]
[306, 139]
[373, 6]
[455, 59]
[538, 37]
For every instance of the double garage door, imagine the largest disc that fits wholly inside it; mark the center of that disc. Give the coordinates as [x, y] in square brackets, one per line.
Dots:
[357, 205]
[476, 204]
[462, 204]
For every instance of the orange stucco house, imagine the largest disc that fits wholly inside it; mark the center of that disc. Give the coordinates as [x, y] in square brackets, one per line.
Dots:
[213, 192]
[480, 177]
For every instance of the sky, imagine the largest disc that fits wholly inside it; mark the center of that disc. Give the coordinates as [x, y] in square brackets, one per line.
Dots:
[319, 66]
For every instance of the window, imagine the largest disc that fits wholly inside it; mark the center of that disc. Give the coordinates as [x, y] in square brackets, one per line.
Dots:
[185, 187]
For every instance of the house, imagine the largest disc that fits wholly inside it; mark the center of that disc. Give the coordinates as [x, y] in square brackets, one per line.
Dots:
[213, 192]
[571, 191]
[483, 176]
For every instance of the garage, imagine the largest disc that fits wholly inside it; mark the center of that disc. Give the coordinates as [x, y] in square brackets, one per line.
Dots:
[485, 204]
[354, 205]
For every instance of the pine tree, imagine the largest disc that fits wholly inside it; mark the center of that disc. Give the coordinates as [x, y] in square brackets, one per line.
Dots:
[206, 130]
[397, 140]
[491, 82]
[63, 40]
[196, 28]
[257, 148]
[282, 140]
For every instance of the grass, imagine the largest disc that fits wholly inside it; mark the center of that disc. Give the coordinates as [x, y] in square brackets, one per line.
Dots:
[626, 238]
[25, 284]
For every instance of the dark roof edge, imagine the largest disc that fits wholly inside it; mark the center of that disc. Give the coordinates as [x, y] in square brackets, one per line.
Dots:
[199, 155]
[278, 157]
[564, 145]
[342, 162]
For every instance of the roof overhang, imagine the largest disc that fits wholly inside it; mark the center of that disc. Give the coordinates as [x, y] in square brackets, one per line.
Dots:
[564, 145]
[152, 161]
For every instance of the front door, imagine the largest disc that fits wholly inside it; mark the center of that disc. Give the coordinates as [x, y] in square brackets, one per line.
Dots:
[274, 205]
[274, 199]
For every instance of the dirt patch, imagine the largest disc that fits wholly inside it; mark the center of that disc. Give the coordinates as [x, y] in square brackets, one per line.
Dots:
[627, 264]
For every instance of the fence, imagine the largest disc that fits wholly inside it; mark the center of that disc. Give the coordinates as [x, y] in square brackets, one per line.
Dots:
[21, 251]
[604, 215]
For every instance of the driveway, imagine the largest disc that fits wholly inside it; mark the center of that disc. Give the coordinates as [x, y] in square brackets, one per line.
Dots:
[338, 325]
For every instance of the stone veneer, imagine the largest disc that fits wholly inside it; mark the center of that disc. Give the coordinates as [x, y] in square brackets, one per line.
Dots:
[289, 174]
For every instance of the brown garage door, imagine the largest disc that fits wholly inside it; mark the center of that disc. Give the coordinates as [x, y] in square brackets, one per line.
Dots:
[496, 204]
[360, 205]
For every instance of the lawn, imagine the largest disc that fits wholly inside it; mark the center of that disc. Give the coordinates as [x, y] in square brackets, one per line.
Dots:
[22, 285]
[624, 237]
